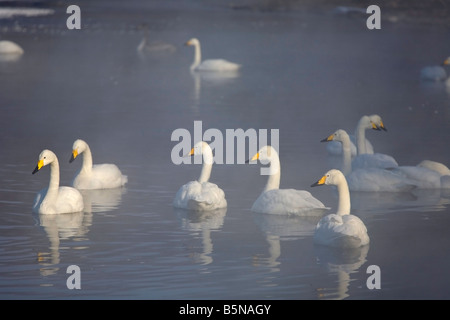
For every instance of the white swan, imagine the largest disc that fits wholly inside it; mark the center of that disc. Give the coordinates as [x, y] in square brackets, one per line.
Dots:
[55, 199]
[211, 64]
[368, 179]
[273, 200]
[9, 47]
[340, 229]
[153, 47]
[359, 138]
[435, 73]
[97, 176]
[201, 195]
[427, 174]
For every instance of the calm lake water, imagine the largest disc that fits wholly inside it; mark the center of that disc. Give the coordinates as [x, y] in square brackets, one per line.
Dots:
[304, 73]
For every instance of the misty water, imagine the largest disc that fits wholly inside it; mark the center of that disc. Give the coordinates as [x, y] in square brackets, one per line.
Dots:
[305, 73]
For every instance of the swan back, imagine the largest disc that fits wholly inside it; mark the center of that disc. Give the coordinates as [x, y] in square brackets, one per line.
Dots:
[9, 47]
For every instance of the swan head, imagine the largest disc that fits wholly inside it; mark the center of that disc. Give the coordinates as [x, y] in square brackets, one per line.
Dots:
[202, 148]
[266, 154]
[340, 135]
[332, 177]
[45, 157]
[78, 147]
[192, 42]
[376, 122]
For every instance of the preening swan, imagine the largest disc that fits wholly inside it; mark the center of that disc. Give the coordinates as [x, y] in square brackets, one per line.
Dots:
[358, 142]
[55, 199]
[95, 176]
[282, 201]
[201, 194]
[210, 64]
[340, 229]
[435, 73]
[369, 178]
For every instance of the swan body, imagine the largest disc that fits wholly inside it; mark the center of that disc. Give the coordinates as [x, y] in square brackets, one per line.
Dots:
[9, 47]
[95, 176]
[435, 73]
[369, 179]
[201, 195]
[340, 229]
[358, 139]
[210, 64]
[282, 201]
[55, 199]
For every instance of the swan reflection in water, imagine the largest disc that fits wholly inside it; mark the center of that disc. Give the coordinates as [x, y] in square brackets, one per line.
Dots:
[342, 263]
[74, 227]
[278, 228]
[200, 225]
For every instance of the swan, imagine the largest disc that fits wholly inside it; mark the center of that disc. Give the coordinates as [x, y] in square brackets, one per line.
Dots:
[55, 199]
[273, 200]
[435, 73]
[211, 64]
[201, 195]
[9, 47]
[340, 229]
[98, 176]
[147, 46]
[365, 122]
[371, 178]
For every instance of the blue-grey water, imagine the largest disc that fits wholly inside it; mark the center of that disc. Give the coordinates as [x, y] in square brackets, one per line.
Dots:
[305, 73]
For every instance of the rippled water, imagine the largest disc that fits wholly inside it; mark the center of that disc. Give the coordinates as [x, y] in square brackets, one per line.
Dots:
[305, 73]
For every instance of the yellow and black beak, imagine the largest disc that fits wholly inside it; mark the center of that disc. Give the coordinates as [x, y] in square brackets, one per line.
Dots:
[187, 43]
[446, 62]
[39, 166]
[321, 182]
[380, 127]
[255, 157]
[329, 138]
[74, 155]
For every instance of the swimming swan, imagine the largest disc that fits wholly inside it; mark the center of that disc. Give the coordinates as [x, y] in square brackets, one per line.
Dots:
[340, 229]
[201, 195]
[359, 143]
[55, 199]
[371, 178]
[435, 73]
[211, 64]
[273, 200]
[97, 176]
[9, 47]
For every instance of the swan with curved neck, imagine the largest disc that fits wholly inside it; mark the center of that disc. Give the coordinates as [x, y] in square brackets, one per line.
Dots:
[55, 199]
[210, 64]
[369, 178]
[98, 176]
[201, 195]
[340, 229]
[274, 200]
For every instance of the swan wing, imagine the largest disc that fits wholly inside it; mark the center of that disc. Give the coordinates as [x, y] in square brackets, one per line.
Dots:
[218, 65]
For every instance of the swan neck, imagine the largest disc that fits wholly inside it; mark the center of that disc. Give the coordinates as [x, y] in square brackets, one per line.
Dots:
[53, 185]
[207, 155]
[87, 160]
[344, 205]
[273, 181]
[361, 137]
[346, 155]
[197, 56]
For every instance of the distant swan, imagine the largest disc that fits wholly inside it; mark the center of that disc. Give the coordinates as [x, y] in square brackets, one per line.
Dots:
[97, 176]
[282, 201]
[370, 179]
[340, 229]
[9, 47]
[55, 199]
[211, 64]
[435, 73]
[153, 47]
[201, 195]
[359, 138]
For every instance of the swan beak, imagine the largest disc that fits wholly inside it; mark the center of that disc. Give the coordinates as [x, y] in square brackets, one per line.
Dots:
[190, 154]
[74, 155]
[255, 157]
[375, 127]
[382, 126]
[446, 62]
[320, 182]
[39, 166]
[188, 43]
[329, 138]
